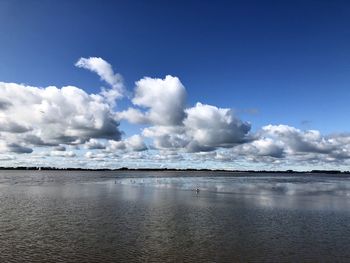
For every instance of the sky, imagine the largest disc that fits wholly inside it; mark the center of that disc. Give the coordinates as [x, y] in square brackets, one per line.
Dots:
[178, 84]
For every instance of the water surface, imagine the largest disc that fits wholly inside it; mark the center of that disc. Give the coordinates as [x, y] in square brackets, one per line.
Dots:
[58, 216]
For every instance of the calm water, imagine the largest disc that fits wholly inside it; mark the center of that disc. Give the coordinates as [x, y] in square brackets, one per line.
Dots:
[157, 217]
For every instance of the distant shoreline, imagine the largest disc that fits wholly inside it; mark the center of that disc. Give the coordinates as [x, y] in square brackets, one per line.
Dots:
[175, 170]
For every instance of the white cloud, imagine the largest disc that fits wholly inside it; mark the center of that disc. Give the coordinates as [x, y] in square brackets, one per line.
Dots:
[297, 141]
[115, 146]
[199, 128]
[95, 144]
[106, 73]
[167, 136]
[134, 143]
[164, 100]
[205, 128]
[210, 126]
[134, 116]
[66, 154]
[4, 157]
[262, 147]
[50, 116]
[181, 135]
[283, 144]
[97, 156]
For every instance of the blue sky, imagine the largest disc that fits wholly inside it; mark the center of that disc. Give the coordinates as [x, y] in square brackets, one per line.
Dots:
[272, 62]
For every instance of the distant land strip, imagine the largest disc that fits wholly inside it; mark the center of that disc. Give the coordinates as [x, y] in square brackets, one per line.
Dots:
[175, 170]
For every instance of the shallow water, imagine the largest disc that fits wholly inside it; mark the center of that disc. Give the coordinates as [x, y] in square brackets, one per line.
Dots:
[158, 217]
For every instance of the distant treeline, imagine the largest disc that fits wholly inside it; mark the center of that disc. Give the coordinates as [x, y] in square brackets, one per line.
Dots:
[172, 169]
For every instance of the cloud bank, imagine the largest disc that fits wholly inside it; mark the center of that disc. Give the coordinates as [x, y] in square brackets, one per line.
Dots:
[50, 124]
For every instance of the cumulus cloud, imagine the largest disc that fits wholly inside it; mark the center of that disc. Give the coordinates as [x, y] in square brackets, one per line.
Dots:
[173, 126]
[211, 126]
[17, 148]
[59, 148]
[95, 144]
[34, 116]
[62, 118]
[134, 143]
[96, 156]
[35, 140]
[262, 147]
[115, 146]
[167, 136]
[204, 128]
[52, 116]
[106, 73]
[281, 144]
[164, 100]
[13, 148]
[295, 140]
[67, 154]
[134, 116]
[7, 125]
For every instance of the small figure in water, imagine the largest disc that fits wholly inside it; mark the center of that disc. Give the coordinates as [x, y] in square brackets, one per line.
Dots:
[197, 190]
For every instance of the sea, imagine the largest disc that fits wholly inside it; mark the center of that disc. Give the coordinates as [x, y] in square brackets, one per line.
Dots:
[136, 216]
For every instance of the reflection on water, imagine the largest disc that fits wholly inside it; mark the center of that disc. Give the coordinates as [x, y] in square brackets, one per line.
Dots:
[123, 217]
[268, 191]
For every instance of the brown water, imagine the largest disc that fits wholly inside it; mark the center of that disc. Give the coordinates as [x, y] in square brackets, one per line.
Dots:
[157, 217]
